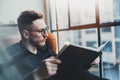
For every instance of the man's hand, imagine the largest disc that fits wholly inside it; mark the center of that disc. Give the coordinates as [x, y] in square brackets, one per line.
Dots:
[47, 68]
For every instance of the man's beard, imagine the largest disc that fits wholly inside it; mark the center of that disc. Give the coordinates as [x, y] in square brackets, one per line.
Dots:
[37, 44]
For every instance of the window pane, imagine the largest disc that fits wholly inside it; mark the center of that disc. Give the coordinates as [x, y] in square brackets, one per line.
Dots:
[117, 32]
[117, 42]
[53, 14]
[59, 11]
[109, 12]
[78, 36]
[117, 10]
[109, 52]
[62, 12]
[82, 12]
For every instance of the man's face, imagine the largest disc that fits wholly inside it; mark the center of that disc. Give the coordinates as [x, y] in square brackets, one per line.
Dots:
[38, 33]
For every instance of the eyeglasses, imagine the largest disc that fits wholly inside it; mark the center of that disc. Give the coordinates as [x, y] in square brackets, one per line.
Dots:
[42, 31]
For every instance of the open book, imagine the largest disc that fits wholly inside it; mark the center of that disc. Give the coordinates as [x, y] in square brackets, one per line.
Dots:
[74, 56]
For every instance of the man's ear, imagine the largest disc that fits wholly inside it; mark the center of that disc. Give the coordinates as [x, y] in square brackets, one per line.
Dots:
[25, 34]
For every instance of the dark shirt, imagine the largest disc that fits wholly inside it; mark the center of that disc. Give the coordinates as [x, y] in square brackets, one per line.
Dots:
[19, 63]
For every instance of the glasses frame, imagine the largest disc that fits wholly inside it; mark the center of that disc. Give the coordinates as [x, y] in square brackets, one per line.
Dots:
[42, 31]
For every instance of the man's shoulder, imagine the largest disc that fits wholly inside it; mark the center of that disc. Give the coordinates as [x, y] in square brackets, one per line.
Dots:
[14, 45]
[14, 49]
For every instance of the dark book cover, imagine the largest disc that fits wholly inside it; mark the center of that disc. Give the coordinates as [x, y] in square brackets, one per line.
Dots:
[76, 60]
[73, 56]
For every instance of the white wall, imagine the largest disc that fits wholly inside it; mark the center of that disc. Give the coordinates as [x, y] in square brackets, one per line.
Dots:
[10, 9]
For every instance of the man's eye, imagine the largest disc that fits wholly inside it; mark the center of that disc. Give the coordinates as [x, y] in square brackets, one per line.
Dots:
[40, 31]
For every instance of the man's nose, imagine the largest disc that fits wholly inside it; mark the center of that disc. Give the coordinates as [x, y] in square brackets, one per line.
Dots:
[45, 34]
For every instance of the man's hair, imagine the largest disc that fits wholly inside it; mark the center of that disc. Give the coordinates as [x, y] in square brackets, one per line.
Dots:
[26, 18]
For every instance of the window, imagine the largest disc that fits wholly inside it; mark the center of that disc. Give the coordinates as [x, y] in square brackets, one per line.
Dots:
[97, 22]
[82, 12]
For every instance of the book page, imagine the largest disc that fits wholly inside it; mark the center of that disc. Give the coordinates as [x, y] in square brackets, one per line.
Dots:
[64, 47]
[102, 46]
[88, 48]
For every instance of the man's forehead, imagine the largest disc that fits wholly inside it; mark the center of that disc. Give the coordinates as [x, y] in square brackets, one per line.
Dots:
[39, 23]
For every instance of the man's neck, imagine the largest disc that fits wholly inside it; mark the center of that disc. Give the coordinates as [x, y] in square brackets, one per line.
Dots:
[30, 47]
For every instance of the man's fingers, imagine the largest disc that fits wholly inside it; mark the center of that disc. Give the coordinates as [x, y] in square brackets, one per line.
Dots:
[48, 67]
[50, 64]
[53, 60]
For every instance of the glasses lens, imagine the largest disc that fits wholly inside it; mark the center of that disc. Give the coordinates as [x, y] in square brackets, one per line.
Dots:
[43, 31]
